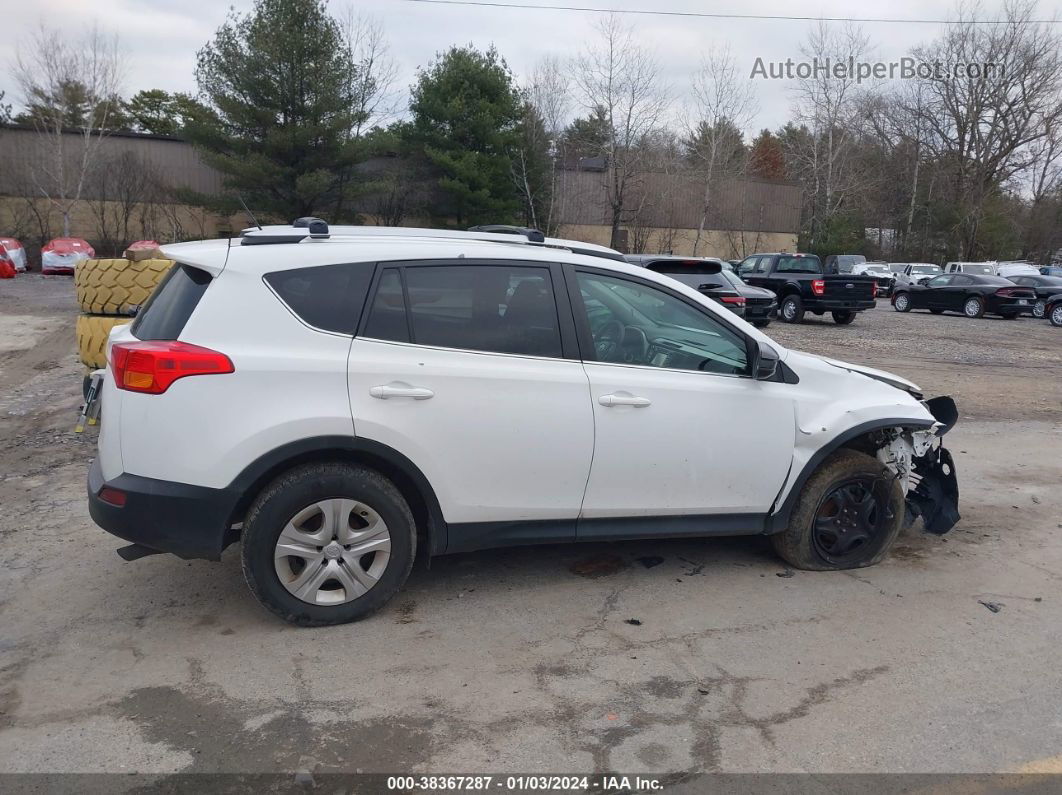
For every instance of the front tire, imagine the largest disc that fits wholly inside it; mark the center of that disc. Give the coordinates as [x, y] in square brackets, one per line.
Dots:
[843, 318]
[902, 303]
[792, 309]
[847, 516]
[974, 307]
[328, 544]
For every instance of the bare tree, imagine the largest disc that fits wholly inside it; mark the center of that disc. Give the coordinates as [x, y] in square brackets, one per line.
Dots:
[374, 78]
[46, 65]
[724, 104]
[548, 97]
[121, 182]
[985, 127]
[618, 75]
[824, 103]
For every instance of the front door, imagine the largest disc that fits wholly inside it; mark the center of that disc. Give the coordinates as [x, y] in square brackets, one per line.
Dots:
[463, 369]
[681, 430]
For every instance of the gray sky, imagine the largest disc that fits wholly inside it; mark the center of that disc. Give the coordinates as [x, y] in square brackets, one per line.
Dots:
[160, 37]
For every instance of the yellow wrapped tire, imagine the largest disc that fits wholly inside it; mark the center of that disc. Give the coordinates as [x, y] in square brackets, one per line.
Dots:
[92, 331]
[115, 286]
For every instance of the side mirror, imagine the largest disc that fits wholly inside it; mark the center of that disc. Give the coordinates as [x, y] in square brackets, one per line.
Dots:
[764, 362]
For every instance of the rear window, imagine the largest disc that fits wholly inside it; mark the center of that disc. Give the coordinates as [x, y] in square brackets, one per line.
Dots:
[327, 297]
[684, 266]
[167, 310]
[806, 264]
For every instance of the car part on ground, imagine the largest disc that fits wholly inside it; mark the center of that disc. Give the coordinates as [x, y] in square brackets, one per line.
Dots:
[117, 286]
[92, 332]
[362, 358]
[16, 252]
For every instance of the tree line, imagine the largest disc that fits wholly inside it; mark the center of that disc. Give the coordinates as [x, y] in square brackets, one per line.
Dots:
[296, 107]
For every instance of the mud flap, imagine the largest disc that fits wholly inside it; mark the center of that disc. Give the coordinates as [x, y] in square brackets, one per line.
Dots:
[936, 498]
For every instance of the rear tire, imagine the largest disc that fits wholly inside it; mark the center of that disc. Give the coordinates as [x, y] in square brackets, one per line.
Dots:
[832, 514]
[1040, 309]
[306, 505]
[902, 302]
[1056, 315]
[843, 318]
[791, 309]
[974, 307]
[761, 323]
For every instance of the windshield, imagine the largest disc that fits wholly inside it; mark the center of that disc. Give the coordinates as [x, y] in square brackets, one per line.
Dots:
[897, 267]
[927, 270]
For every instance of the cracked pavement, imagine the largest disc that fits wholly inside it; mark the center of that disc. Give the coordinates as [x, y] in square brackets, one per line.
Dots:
[525, 659]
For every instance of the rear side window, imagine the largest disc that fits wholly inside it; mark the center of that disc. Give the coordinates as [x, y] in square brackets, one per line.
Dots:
[496, 308]
[167, 310]
[328, 297]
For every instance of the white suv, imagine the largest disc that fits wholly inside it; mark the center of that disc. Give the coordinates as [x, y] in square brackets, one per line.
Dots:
[340, 399]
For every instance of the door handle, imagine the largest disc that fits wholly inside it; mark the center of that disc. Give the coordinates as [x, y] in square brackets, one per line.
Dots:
[624, 399]
[400, 390]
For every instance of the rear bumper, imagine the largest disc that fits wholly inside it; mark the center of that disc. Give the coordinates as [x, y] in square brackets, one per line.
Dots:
[189, 521]
[761, 311]
[837, 304]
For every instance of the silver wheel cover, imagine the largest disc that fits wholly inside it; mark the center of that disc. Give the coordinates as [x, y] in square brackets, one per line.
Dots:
[332, 552]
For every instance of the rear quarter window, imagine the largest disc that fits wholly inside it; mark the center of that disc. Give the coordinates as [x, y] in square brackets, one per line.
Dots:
[327, 297]
[166, 312]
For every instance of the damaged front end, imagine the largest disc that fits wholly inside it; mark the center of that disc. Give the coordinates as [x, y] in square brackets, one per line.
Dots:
[925, 469]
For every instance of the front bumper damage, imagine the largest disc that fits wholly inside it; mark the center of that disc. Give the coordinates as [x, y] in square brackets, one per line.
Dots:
[926, 469]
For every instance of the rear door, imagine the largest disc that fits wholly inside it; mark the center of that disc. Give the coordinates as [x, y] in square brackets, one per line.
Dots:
[470, 370]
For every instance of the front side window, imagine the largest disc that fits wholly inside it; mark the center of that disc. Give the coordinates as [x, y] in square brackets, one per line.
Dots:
[632, 323]
[495, 308]
[939, 281]
[751, 265]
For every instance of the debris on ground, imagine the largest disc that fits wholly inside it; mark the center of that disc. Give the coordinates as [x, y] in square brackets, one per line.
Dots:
[634, 622]
[787, 573]
[995, 607]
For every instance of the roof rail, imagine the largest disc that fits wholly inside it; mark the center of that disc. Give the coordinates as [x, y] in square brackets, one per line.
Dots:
[533, 235]
[315, 228]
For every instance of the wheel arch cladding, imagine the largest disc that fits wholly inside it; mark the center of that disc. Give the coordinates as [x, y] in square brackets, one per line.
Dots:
[779, 519]
[405, 475]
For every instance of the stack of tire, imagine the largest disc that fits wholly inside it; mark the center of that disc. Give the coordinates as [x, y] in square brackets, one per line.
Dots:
[108, 293]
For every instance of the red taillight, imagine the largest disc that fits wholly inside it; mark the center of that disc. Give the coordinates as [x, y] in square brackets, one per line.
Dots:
[875, 293]
[818, 286]
[1015, 292]
[737, 300]
[151, 367]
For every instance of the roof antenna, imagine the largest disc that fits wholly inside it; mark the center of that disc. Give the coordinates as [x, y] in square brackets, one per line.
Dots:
[248, 211]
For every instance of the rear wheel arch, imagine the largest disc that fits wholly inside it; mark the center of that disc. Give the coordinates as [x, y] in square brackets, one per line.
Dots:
[403, 473]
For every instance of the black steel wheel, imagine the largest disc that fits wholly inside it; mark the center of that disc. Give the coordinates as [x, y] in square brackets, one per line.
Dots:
[850, 521]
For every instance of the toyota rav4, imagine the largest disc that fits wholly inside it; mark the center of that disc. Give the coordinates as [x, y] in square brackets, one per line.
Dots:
[340, 400]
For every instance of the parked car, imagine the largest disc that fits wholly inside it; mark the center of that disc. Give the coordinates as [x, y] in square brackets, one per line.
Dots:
[982, 268]
[843, 263]
[15, 252]
[702, 274]
[384, 392]
[1045, 287]
[886, 279]
[62, 254]
[1051, 270]
[801, 284]
[969, 293]
[914, 272]
[1054, 310]
[1008, 269]
[709, 276]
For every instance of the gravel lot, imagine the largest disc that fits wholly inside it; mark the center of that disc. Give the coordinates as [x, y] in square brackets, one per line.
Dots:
[526, 659]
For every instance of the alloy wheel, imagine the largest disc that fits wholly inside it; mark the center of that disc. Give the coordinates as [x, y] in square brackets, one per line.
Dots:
[972, 308]
[332, 551]
[1040, 309]
[902, 302]
[1056, 315]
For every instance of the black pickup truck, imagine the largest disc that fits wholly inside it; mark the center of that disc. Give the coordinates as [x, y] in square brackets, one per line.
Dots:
[802, 285]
